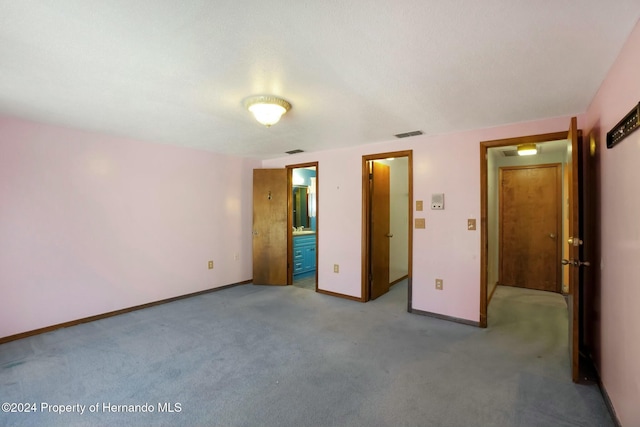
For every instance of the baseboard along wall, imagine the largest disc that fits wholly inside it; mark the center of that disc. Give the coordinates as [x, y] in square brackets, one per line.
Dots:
[113, 313]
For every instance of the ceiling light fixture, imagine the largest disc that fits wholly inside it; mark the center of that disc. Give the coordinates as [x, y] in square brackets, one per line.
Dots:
[267, 109]
[527, 149]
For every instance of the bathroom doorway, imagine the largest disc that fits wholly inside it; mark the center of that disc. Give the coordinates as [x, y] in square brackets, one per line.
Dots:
[303, 225]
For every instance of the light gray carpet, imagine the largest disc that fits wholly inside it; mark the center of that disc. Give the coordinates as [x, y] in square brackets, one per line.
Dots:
[284, 356]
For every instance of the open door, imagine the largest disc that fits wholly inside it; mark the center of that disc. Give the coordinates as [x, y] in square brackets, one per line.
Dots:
[270, 226]
[589, 293]
[382, 197]
[578, 175]
[380, 212]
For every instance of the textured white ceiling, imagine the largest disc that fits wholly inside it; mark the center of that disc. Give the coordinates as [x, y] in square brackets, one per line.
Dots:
[355, 72]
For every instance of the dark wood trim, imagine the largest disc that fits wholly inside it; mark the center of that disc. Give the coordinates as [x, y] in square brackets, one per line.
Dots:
[448, 318]
[335, 294]
[289, 226]
[603, 390]
[529, 139]
[114, 313]
[410, 231]
[574, 251]
[364, 251]
[410, 290]
[365, 219]
[608, 402]
[398, 280]
[484, 240]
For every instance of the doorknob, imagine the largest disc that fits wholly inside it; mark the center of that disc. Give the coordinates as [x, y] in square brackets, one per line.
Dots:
[583, 263]
[552, 235]
[389, 235]
[567, 262]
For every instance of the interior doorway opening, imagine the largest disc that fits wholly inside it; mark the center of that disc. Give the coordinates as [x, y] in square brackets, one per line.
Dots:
[303, 228]
[519, 241]
[386, 226]
[576, 242]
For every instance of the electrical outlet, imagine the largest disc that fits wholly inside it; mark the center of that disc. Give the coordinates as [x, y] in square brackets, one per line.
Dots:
[439, 284]
[336, 268]
[471, 224]
[210, 265]
[437, 201]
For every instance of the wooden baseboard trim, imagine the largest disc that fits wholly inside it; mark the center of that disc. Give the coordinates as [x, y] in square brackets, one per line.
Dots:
[443, 317]
[113, 313]
[605, 396]
[406, 276]
[335, 294]
[607, 401]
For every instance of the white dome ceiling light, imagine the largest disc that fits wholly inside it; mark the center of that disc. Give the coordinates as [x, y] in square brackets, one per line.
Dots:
[267, 109]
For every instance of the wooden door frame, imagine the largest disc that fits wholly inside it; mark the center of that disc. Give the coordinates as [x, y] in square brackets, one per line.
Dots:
[365, 222]
[558, 191]
[484, 240]
[290, 169]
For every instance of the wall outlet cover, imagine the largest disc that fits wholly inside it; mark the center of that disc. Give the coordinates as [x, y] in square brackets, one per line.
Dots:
[437, 201]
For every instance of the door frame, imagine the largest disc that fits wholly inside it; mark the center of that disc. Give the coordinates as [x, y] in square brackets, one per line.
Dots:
[290, 169]
[484, 238]
[365, 294]
[559, 222]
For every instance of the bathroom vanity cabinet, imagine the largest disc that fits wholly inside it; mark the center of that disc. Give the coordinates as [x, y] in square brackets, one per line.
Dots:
[304, 253]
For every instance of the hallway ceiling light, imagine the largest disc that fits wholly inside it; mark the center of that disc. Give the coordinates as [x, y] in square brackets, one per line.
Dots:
[527, 149]
[267, 109]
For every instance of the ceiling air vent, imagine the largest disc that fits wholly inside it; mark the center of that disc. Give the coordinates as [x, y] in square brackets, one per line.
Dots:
[295, 151]
[408, 134]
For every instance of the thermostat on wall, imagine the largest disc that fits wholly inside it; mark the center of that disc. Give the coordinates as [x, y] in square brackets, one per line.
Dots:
[437, 201]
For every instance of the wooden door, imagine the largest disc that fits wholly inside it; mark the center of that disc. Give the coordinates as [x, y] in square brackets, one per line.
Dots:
[576, 172]
[270, 191]
[530, 225]
[380, 229]
[589, 341]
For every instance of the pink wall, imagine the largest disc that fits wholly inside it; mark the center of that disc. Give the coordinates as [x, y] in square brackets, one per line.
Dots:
[447, 164]
[91, 223]
[618, 270]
